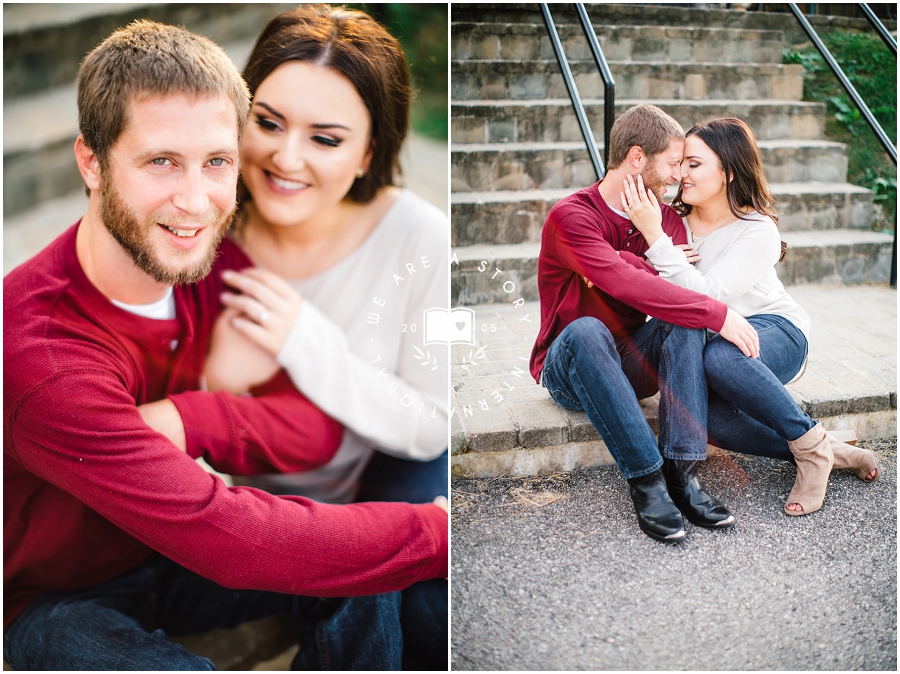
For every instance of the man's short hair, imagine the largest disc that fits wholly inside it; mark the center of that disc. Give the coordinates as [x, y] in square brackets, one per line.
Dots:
[145, 59]
[646, 126]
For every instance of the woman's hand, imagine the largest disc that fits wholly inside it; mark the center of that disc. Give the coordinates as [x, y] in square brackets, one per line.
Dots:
[691, 254]
[642, 207]
[235, 362]
[267, 310]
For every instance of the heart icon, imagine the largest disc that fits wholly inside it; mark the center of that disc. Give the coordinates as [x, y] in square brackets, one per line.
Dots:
[460, 326]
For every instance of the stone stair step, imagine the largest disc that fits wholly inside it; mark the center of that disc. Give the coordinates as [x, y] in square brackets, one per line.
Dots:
[522, 166]
[514, 216]
[679, 44]
[503, 422]
[836, 256]
[533, 79]
[651, 15]
[43, 44]
[821, 256]
[39, 131]
[552, 120]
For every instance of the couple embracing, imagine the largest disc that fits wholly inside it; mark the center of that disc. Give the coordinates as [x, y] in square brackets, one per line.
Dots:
[113, 534]
[611, 256]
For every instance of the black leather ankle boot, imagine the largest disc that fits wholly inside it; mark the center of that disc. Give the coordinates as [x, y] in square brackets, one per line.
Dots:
[691, 497]
[658, 516]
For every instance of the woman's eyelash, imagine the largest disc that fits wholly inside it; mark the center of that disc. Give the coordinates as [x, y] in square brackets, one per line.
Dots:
[266, 124]
[324, 140]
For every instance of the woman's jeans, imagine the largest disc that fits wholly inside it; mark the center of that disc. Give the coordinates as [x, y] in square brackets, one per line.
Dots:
[586, 369]
[121, 624]
[750, 410]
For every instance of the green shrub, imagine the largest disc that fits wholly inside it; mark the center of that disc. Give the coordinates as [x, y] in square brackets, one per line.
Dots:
[422, 30]
[872, 70]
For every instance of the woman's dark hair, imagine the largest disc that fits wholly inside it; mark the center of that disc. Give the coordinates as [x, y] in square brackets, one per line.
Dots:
[356, 46]
[733, 142]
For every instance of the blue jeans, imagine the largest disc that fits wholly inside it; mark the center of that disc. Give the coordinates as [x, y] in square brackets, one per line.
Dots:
[121, 624]
[586, 369]
[750, 411]
[424, 610]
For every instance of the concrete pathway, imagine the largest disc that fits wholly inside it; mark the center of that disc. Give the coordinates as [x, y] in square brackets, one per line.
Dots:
[553, 573]
[505, 424]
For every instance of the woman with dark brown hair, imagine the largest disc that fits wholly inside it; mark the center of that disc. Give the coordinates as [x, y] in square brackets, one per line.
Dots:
[733, 246]
[347, 264]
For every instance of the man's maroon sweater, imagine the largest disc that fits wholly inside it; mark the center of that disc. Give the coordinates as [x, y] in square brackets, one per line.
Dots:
[89, 491]
[583, 237]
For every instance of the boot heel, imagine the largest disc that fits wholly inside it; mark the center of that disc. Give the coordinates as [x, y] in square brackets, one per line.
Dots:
[814, 457]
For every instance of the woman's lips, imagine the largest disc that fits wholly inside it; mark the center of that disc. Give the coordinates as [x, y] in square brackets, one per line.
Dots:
[283, 185]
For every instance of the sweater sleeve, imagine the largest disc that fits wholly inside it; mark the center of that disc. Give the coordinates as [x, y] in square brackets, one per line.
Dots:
[82, 432]
[581, 247]
[738, 268]
[275, 430]
[404, 413]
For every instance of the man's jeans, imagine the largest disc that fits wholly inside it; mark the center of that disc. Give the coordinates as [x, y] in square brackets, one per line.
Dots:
[586, 369]
[424, 610]
[121, 624]
[750, 411]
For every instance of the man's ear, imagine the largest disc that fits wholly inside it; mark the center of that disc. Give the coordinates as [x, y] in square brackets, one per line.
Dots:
[88, 164]
[635, 156]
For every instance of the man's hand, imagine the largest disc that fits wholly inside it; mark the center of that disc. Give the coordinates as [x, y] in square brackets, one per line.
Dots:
[740, 333]
[163, 417]
[692, 255]
[441, 502]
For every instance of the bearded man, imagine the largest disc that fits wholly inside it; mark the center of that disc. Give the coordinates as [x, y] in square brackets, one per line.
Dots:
[597, 352]
[112, 534]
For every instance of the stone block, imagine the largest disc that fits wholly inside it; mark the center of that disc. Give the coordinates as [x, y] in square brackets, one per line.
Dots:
[487, 428]
[485, 47]
[467, 129]
[679, 50]
[539, 423]
[519, 47]
[528, 86]
[695, 87]
[501, 131]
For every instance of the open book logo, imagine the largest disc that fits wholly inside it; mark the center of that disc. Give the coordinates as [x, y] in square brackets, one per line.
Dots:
[449, 327]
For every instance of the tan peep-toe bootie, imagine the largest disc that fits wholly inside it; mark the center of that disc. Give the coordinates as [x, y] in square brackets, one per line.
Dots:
[814, 457]
[860, 461]
[848, 437]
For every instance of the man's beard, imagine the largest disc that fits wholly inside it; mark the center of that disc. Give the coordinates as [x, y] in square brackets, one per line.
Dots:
[122, 223]
[653, 182]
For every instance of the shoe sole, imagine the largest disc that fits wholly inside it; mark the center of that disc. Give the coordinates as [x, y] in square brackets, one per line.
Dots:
[708, 525]
[677, 537]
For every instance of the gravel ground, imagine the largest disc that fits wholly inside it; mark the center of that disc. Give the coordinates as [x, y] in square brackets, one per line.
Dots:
[553, 573]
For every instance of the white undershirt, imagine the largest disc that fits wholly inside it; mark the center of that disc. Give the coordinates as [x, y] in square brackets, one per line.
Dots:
[161, 310]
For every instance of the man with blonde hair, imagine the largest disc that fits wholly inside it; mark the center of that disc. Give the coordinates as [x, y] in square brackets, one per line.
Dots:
[597, 352]
[112, 534]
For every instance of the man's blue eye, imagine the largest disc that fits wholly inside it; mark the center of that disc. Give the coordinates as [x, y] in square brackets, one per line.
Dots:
[218, 161]
[159, 161]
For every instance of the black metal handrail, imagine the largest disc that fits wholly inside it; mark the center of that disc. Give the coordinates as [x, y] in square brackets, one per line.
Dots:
[609, 85]
[879, 28]
[857, 99]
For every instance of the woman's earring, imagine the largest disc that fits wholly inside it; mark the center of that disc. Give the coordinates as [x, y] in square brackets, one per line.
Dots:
[360, 173]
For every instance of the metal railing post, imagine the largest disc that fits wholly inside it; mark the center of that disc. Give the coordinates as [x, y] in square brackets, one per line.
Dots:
[850, 89]
[580, 114]
[609, 84]
[879, 28]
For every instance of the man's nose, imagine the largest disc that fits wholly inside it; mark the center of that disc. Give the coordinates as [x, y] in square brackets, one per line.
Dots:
[191, 196]
[676, 173]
